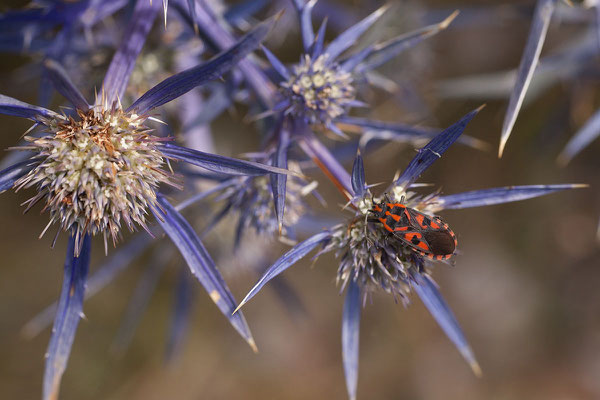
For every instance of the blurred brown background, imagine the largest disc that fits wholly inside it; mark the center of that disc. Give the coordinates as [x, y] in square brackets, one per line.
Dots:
[524, 288]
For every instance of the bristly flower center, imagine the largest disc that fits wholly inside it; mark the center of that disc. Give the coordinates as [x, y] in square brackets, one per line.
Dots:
[319, 90]
[97, 170]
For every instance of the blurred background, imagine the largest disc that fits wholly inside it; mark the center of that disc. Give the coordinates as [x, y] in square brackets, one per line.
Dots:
[524, 286]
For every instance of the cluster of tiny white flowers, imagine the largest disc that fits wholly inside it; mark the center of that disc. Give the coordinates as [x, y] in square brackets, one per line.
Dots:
[96, 171]
[319, 90]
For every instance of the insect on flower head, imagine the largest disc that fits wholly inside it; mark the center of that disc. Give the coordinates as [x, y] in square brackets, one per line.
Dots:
[388, 239]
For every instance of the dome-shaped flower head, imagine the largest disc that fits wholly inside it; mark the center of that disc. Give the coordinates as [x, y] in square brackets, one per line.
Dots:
[321, 88]
[252, 198]
[100, 167]
[390, 242]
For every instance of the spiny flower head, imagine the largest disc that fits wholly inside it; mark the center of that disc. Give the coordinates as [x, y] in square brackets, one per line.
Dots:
[253, 198]
[372, 256]
[318, 89]
[96, 170]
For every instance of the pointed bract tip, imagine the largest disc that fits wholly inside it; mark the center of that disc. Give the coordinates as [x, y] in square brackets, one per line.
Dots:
[476, 369]
[580, 186]
[383, 9]
[253, 346]
[469, 357]
[444, 24]
[238, 307]
[501, 148]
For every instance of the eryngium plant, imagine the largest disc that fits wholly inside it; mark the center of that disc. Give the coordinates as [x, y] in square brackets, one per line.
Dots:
[372, 258]
[100, 166]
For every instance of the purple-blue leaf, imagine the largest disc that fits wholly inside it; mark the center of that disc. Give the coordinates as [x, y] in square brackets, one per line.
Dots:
[317, 46]
[286, 261]
[217, 163]
[404, 129]
[123, 62]
[69, 312]
[104, 275]
[201, 265]
[352, 62]
[10, 106]
[582, 138]
[192, 11]
[535, 41]
[386, 51]
[382, 130]
[11, 174]
[358, 176]
[435, 303]
[306, 28]
[278, 65]
[350, 337]
[213, 27]
[434, 150]
[181, 83]
[63, 84]
[351, 35]
[488, 197]
[278, 181]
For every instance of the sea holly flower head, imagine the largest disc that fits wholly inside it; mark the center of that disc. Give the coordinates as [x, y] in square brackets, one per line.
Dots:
[252, 198]
[319, 90]
[97, 170]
